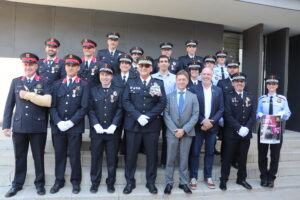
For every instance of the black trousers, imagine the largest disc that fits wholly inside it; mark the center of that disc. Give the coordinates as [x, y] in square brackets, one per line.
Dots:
[67, 143]
[21, 143]
[270, 173]
[98, 146]
[163, 159]
[232, 146]
[134, 140]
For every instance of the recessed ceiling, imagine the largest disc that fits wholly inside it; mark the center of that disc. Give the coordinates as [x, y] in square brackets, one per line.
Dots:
[235, 15]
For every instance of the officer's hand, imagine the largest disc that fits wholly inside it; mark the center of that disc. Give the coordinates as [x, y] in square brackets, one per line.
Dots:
[221, 122]
[143, 120]
[98, 129]
[22, 94]
[69, 124]
[281, 113]
[7, 132]
[111, 129]
[259, 115]
[62, 126]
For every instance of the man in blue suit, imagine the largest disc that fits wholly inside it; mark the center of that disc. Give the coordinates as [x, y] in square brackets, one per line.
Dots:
[211, 108]
[111, 54]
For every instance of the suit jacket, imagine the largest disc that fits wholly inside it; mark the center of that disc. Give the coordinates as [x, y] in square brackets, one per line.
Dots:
[103, 55]
[138, 101]
[239, 112]
[217, 105]
[69, 103]
[189, 116]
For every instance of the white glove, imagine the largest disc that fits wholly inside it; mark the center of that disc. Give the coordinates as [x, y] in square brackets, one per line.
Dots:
[281, 113]
[69, 124]
[111, 129]
[62, 126]
[259, 115]
[243, 131]
[98, 129]
[221, 122]
[143, 120]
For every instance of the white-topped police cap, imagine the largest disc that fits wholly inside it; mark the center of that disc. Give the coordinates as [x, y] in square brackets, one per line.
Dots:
[272, 79]
[145, 60]
[222, 53]
[194, 65]
[166, 45]
[240, 76]
[106, 68]
[136, 50]
[113, 35]
[210, 58]
[233, 63]
[125, 58]
[191, 43]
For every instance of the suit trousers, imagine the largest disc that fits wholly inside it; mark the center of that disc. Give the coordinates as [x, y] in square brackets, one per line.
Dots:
[21, 143]
[67, 143]
[133, 142]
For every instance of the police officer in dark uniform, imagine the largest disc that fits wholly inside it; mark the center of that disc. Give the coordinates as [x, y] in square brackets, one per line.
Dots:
[271, 104]
[194, 71]
[144, 100]
[191, 48]
[89, 68]
[51, 68]
[166, 50]
[105, 119]
[239, 115]
[69, 106]
[125, 64]
[111, 54]
[136, 53]
[30, 94]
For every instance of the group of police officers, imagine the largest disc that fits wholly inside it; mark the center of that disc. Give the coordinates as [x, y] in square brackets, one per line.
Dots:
[124, 97]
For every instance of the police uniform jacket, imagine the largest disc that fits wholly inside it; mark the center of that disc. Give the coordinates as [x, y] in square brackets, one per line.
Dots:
[28, 117]
[90, 74]
[239, 112]
[52, 72]
[185, 60]
[103, 55]
[106, 108]
[118, 79]
[137, 100]
[69, 103]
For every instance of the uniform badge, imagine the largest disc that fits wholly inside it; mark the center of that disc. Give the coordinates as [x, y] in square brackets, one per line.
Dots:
[115, 93]
[112, 98]
[174, 63]
[278, 100]
[39, 86]
[77, 88]
[74, 93]
[56, 66]
[103, 57]
[234, 100]
[120, 54]
[93, 70]
[155, 90]
[247, 101]
[52, 70]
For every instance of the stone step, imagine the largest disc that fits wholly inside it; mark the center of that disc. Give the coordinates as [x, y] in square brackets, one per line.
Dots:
[6, 174]
[141, 193]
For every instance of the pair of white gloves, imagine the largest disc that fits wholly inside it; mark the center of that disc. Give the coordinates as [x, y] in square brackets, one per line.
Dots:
[281, 113]
[143, 120]
[100, 130]
[243, 131]
[65, 125]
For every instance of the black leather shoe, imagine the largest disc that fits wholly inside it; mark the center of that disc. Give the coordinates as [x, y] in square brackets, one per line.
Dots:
[168, 189]
[185, 188]
[12, 192]
[41, 190]
[55, 188]
[223, 185]
[152, 189]
[94, 188]
[128, 188]
[244, 184]
[110, 188]
[264, 183]
[76, 189]
[270, 183]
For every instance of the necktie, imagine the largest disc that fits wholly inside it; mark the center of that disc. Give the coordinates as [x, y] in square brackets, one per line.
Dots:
[145, 83]
[240, 95]
[28, 80]
[271, 106]
[86, 65]
[70, 82]
[181, 103]
[222, 71]
[111, 54]
[124, 79]
[195, 83]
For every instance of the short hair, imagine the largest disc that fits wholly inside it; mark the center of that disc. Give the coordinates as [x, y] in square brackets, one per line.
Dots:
[163, 56]
[182, 72]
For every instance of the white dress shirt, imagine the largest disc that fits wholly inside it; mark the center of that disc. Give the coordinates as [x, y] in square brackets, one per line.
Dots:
[207, 101]
[68, 80]
[126, 76]
[147, 80]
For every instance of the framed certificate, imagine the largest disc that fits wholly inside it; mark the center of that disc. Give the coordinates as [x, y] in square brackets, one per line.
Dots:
[270, 129]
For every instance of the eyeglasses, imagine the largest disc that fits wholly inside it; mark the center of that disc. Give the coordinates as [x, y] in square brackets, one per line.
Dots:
[144, 65]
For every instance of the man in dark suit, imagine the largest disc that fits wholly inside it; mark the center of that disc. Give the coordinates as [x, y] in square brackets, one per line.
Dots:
[30, 95]
[191, 48]
[144, 100]
[69, 106]
[105, 119]
[111, 54]
[211, 108]
[239, 115]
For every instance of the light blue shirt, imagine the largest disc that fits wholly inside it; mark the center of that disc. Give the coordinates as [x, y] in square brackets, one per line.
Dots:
[169, 81]
[280, 104]
[217, 73]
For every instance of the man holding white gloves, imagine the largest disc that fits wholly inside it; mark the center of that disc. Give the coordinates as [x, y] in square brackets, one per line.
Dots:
[144, 100]
[69, 106]
[239, 116]
[105, 116]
